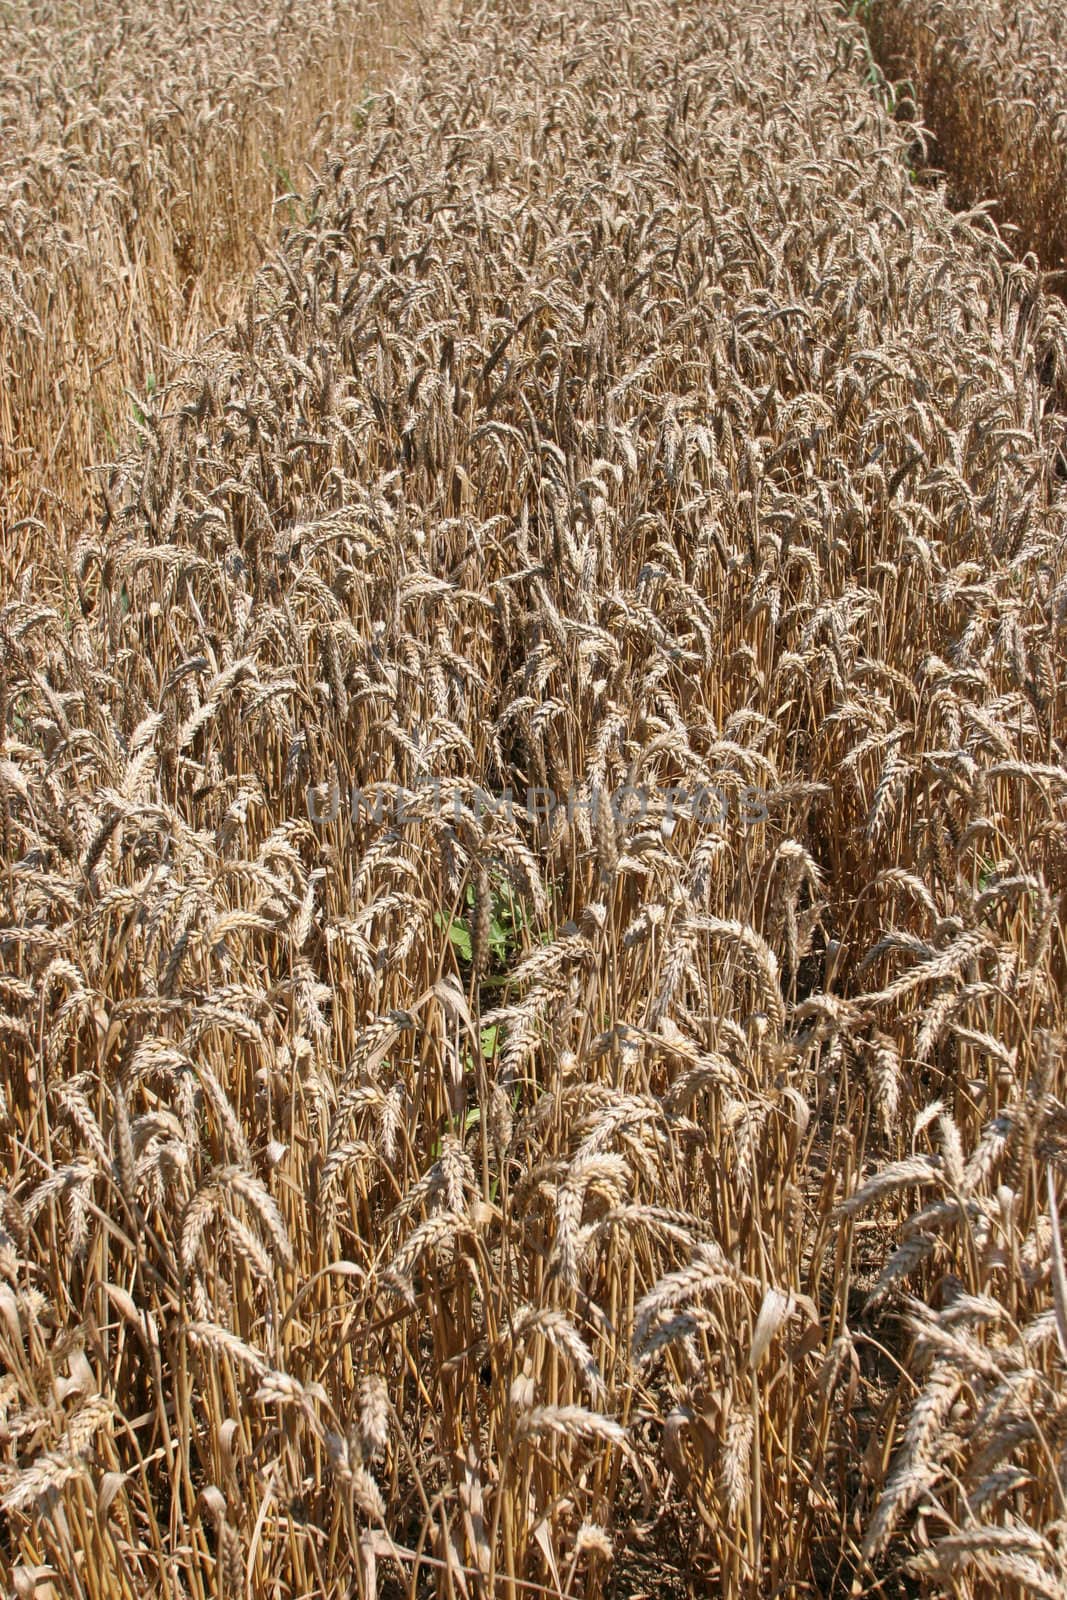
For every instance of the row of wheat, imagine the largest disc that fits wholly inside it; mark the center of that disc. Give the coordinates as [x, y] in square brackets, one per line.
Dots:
[990, 77]
[533, 853]
[144, 150]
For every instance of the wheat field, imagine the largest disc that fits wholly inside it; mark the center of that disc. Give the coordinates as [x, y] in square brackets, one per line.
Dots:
[533, 848]
[990, 77]
[144, 153]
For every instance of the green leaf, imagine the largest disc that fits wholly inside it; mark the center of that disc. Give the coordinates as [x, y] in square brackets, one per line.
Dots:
[460, 934]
